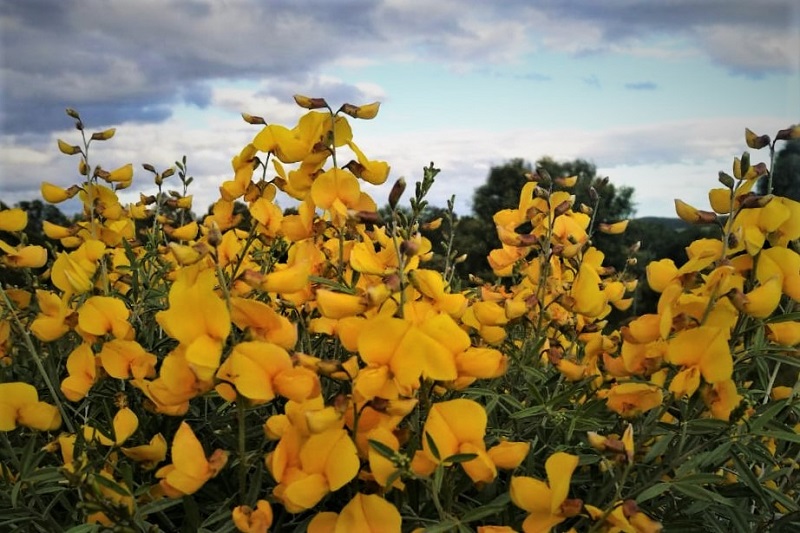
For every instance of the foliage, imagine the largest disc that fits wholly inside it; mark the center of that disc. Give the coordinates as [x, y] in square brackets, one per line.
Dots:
[312, 370]
[476, 236]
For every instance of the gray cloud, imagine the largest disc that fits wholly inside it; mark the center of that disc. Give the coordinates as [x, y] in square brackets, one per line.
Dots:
[134, 61]
[641, 86]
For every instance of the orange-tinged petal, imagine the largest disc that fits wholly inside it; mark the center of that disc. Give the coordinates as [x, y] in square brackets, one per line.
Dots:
[103, 314]
[368, 514]
[720, 200]
[323, 523]
[481, 469]
[530, 494]
[660, 274]
[304, 493]
[289, 280]
[82, 370]
[590, 300]
[151, 454]
[40, 415]
[509, 455]
[339, 305]
[762, 301]
[560, 467]
[125, 424]
[784, 333]
[380, 338]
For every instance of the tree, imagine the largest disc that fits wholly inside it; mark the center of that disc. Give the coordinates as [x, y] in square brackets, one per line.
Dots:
[786, 173]
[477, 236]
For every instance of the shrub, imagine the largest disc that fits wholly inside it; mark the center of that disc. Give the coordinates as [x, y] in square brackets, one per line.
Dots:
[307, 371]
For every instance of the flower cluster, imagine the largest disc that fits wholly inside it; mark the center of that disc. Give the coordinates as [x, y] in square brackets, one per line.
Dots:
[345, 384]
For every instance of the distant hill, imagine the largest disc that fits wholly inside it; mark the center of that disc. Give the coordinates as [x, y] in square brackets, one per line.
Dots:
[675, 224]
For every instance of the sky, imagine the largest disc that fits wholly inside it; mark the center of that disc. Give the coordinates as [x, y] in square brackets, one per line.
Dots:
[656, 94]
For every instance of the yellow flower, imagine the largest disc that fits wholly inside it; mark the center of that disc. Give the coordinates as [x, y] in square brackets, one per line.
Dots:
[13, 219]
[51, 322]
[632, 399]
[615, 228]
[249, 520]
[100, 315]
[365, 513]
[123, 359]
[20, 406]
[323, 462]
[338, 305]
[547, 502]
[82, 369]
[589, 298]
[784, 333]
[509, 455]
[124, 424]
[192, 295]
[260, 369]
[336, 191]
[721, 398]
[457, 427]
[413, 350]
[30, 256]
[262, 322]
[374, 172]
[190, 469]
[73, 272]
[150, 454]
[54, 194]
[705, 348]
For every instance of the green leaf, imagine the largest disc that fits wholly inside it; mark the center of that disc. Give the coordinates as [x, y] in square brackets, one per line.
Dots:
[157, 506]
[651, 492]
[432, 446]
[494, 507]
[460, 458]
[382, 449]
[700, 494]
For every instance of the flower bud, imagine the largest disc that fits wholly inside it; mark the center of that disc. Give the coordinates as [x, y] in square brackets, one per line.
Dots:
[755, 141]
[397, 191]
[254, 120]
[104, 135]
[214, 234]
[726, 180]
[409, 248]
[68, 149]
[310, 103]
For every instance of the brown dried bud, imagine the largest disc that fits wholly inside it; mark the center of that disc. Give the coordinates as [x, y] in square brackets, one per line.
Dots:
[629, 508]
[562, 208]
[754, 140]
[571, 507]
[392, 281]
[310, 103]
[149, 167]
[539, 192]
[593, 196]
[527, 239]
[397, 191]
[364, 217]
[409, 248]
[543, 174]
[254, 120]
[72, 113]
[167, 173]
[214, 234]
[356, 168]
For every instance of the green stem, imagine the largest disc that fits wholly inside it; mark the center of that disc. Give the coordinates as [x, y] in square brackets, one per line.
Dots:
[242, 446]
